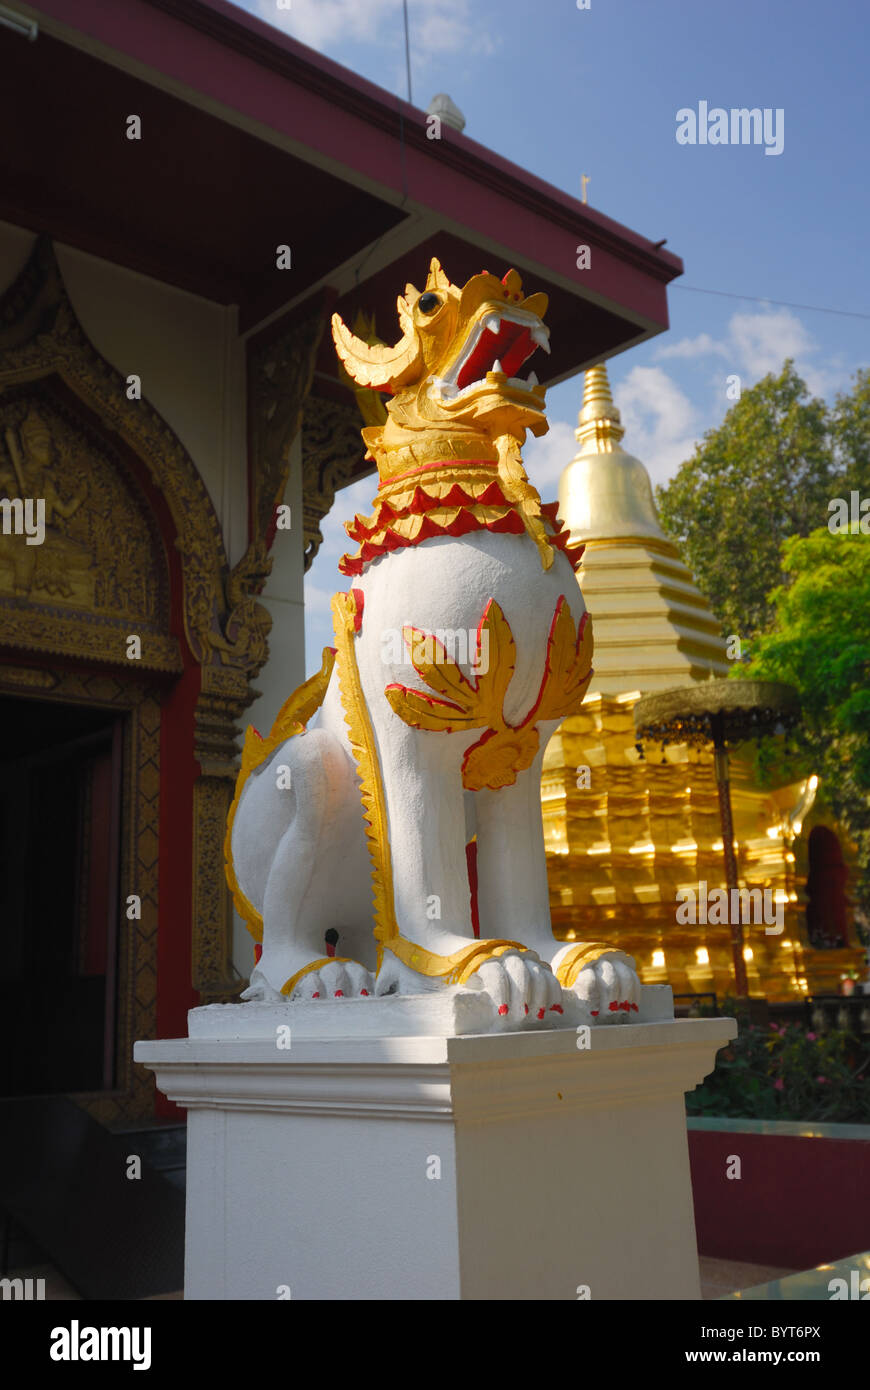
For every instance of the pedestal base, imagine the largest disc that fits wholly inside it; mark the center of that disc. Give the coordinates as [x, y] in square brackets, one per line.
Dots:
[540, 1165]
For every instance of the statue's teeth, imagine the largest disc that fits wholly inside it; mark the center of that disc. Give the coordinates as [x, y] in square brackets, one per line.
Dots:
[497, 367]
[542, 338]
[533, 380]
[493, 323]
[446, 388]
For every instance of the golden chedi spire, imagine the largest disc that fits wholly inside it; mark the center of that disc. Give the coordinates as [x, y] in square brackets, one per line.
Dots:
[599, 424]
[653, 628]
[605, 493]
[625, 834]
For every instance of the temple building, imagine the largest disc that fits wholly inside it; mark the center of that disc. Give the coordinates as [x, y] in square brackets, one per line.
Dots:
[189, 196]
[627, 826]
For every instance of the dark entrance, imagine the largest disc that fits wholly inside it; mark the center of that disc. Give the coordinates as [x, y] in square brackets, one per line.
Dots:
[60, 836]
[827, 903]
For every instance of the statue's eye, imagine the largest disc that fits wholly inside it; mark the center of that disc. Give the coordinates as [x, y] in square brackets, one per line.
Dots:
[428, 302]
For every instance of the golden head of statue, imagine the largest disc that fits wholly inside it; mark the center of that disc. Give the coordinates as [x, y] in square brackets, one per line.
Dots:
[454, 374]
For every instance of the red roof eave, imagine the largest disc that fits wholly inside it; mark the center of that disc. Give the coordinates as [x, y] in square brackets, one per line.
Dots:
[227, 57]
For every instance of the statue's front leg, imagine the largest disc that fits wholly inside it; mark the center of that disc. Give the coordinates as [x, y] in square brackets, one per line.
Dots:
[429, 942]
[513, 897]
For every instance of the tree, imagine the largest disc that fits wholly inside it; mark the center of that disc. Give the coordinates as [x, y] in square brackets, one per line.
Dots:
[767, 473]
[851, 432]
[820, 643]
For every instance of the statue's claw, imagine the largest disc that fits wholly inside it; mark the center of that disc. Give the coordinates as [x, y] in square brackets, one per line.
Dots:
[520, 985]
[610, 987]
[335, 980]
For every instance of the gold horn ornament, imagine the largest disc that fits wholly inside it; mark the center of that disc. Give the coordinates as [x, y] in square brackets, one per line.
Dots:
[382, 368]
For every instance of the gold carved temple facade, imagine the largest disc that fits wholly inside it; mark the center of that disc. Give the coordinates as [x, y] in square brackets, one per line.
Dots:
[627, 827]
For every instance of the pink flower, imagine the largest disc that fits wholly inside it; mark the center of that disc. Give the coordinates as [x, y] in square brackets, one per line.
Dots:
[778, 1084]
[811, 1037]
[823, 1080]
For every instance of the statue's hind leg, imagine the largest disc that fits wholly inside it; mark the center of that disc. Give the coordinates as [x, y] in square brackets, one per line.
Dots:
[308, 900]
[302, 919]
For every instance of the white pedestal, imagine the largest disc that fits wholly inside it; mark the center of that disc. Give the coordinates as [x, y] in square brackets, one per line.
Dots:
[504, 1166]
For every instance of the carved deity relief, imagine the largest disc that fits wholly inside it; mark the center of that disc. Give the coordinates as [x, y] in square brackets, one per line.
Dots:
[96, 549]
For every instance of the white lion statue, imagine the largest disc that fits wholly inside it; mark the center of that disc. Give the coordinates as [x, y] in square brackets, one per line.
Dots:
[386, 837]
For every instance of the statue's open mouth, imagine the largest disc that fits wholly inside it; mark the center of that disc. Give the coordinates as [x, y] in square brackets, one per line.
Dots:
[500, 343]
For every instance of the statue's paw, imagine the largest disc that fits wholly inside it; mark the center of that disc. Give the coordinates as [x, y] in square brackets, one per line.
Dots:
[522, 988]
[343, 979]
[260, 991]
[610, 987]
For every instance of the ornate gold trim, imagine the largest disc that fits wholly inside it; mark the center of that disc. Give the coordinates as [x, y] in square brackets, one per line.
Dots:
[581, 955]
[290, 720]
[455, 969]
[332, 451]
[96, 638]
[40, 336]
[346, 615]
[289, 985]
[280, 373]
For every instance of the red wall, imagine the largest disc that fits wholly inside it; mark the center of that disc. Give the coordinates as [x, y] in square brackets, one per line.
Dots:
[800, 1202]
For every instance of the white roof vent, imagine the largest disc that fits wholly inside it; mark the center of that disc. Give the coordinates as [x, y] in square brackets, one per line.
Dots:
[448, 111]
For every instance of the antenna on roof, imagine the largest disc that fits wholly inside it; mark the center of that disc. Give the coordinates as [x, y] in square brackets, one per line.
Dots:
[407, 49]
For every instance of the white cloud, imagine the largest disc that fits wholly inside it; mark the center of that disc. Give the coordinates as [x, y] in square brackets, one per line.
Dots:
[702, 346]
[660, 421]
[438, 26]
[762, 341]
[318, 600]
[546, 458]
[757, 342]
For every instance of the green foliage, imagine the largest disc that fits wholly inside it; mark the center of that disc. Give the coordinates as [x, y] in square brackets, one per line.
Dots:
[850, 425]
[787, 1073]
[750, 513]
[820, 643]
[765, 474]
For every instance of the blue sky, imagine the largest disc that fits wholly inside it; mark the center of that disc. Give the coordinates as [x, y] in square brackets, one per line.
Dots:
[565, 92]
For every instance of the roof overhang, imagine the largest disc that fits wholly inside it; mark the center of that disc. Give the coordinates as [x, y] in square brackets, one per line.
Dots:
[251, 140]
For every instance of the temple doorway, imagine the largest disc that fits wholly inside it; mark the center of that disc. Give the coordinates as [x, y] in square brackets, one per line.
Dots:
[827, 902]
[61, 779]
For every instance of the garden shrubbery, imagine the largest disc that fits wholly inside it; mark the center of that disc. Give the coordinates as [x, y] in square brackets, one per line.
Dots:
[786, 1073]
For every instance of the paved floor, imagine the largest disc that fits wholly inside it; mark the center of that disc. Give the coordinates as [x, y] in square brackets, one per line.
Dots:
[721, 1277]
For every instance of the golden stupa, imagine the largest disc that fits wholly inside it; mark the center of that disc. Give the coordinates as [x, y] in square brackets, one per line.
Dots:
[624, 832]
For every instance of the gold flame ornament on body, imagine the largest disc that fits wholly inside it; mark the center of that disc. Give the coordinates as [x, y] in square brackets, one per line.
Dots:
[505, 749]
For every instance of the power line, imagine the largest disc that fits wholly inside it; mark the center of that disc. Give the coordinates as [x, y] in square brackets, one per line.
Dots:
[780, 303]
